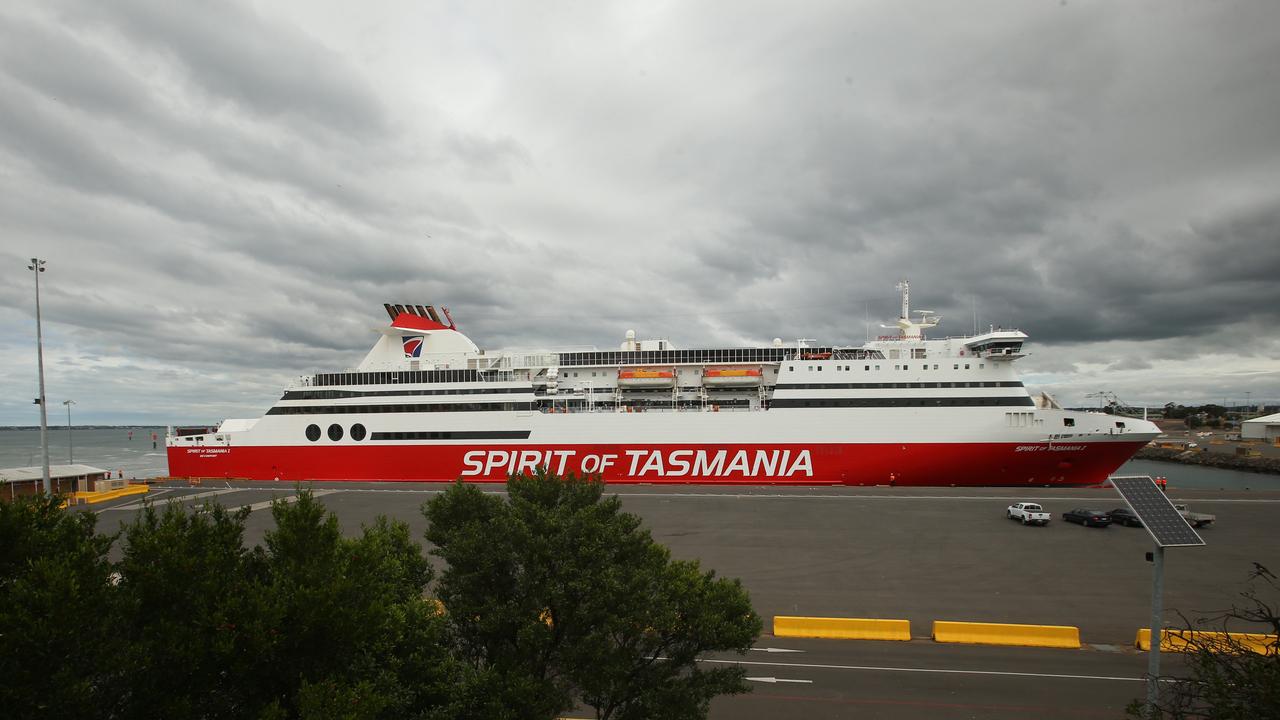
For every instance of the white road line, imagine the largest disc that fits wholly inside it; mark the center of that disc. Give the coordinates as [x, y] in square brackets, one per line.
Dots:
[291, 498]
[181, 498]
[943, 671]
[779, 680]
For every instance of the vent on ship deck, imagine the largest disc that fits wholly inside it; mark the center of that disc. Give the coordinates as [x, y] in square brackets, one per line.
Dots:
[423, 311]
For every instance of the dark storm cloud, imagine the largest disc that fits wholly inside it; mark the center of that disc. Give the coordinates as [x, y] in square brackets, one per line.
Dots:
[227, 193]
[265, 68]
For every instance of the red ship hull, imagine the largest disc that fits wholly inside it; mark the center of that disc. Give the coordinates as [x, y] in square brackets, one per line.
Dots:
[919, 464]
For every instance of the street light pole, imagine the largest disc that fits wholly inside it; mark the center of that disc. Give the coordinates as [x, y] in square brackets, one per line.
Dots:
[1157, 631]
[71, 455]
[37, 266]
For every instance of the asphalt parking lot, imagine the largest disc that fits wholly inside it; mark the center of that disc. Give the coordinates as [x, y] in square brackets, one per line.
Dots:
[922, 554]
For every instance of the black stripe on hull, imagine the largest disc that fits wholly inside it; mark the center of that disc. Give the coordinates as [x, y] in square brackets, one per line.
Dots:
[1007, 401]
[452, 435]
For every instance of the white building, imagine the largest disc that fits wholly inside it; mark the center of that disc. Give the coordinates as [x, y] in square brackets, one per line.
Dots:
[1261, 428]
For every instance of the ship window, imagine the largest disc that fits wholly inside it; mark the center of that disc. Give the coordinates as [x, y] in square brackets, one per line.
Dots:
[966, 366]
[313, 432]
[866, 367]
[956, 366]
[906, 367]
[981, 365]
[357, 432]
[1120, 425]
[877, 367]
[1069, 422]
[819, 368]
[791, 368]
[897, 367]
[335, 432]
[935, 367]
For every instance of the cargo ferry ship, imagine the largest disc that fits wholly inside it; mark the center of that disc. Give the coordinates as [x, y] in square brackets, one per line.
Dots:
[427, 404]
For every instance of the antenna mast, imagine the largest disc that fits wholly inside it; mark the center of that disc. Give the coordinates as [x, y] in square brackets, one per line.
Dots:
[913, 330]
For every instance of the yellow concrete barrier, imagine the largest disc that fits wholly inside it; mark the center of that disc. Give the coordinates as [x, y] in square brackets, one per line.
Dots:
[841, 628]
[97, 497]
[1186, 640]
[1055, 636]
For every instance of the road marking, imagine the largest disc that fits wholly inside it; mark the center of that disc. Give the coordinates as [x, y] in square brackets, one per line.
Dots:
[779, 680]
[286, 500]
[213, 493]
[776, 650]
[940, 671]
[181, 498]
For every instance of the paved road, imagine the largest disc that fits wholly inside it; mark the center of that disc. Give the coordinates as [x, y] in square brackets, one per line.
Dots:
[921, 679]
[922, 554]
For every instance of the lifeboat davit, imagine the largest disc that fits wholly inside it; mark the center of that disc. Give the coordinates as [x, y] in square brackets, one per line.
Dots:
[732, 377]
[646, 378]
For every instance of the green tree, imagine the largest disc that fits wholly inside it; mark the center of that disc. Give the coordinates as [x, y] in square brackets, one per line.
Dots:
[55, 588]
[353, 634]
[559, 597]
[314, 625]
[1226, 677]
[189, 598]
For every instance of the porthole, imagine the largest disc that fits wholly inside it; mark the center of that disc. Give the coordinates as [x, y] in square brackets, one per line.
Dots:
[313, 432]
[335, 432]
[357, 432]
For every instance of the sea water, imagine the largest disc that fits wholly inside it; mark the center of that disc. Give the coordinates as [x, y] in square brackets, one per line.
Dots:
[106, 448]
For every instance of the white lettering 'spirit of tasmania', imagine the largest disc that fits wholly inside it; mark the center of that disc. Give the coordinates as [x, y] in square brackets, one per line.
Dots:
[642, 463]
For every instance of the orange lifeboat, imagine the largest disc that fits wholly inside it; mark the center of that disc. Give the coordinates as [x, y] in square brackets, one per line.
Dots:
[732, 377]
[646, 378]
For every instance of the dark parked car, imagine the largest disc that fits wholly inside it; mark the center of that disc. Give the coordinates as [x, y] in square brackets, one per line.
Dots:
[1096, 518]
[1125, 516]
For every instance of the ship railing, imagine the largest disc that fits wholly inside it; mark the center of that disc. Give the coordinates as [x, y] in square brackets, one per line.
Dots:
[612, 409]
[407, 377]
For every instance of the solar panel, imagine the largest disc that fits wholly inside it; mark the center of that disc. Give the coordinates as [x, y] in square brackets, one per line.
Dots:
[1158, 516]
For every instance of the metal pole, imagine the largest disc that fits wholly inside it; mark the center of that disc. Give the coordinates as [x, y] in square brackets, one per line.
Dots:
[37, 265]
[71, 454]
[1157, 627]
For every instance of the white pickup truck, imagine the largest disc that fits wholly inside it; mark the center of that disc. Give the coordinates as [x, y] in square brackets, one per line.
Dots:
[1028, 513]
[1195, 519]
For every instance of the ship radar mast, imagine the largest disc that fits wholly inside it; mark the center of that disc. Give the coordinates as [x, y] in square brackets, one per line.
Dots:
[913, 329]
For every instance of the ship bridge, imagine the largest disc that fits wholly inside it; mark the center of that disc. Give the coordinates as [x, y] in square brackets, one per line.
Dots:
[997, 345]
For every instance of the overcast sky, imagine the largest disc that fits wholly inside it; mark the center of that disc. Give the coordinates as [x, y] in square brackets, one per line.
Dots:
[227, 192]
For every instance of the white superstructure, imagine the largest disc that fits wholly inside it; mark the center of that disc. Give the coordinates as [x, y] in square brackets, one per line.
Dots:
[427, 404]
